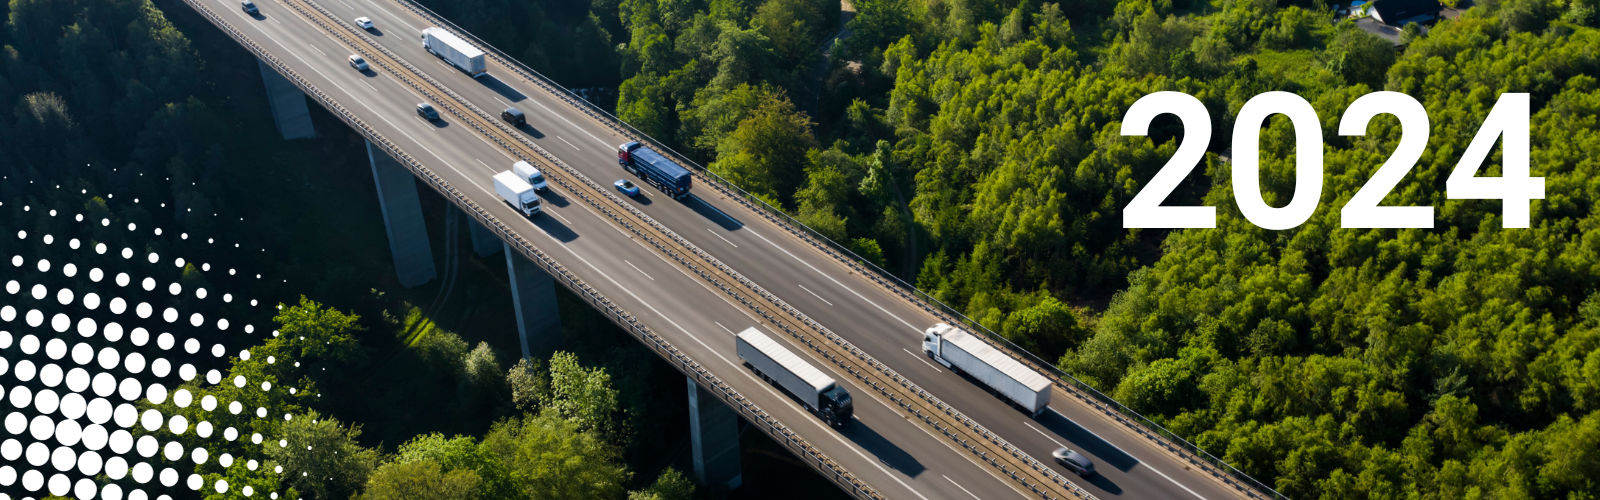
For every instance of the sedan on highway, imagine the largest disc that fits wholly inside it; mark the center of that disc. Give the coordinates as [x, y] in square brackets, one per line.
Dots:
[249, 7]
[1073, 461]
[427, 112]
[358, 63]
[364, 23]
[627, 187]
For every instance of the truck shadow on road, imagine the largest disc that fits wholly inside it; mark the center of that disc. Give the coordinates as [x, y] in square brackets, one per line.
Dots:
[1087, 442]
[552, 197]
[887, 452]
[727, 222]
[553, 227]
[499, 87]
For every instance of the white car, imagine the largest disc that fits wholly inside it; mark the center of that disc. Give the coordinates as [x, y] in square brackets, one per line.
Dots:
[364, 23]
[358, 63]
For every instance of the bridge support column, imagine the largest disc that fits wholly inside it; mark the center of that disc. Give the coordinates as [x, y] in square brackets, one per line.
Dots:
[534, 294]
[402, 216]
[484, 241]
[288, 104]
[714, 438]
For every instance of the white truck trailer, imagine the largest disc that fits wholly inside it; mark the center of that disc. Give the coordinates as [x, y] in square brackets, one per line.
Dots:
[454, 50]
[775, 363]
[963, 353]
[530, 174]
[517, 193]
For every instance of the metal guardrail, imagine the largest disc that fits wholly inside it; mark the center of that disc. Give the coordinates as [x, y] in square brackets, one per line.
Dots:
[1137, 422]
[796, 444]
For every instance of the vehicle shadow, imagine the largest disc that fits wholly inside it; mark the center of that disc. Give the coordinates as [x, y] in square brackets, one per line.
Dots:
[553, 227]
[887, 453]
[375, 32]
[1087, 442]
[642, 199]
[528, 129]
[1100, 481]
[712, 213]
[550, 196]
[499, 87]
[440, 123]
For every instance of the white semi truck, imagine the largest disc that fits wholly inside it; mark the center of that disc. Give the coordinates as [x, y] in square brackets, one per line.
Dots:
[517, 193]
[454, 50]
[963, 353]
[775, 363]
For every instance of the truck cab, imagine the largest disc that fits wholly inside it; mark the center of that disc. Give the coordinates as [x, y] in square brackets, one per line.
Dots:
[837, 407]
[931, 344]
[517, 193]
[625, 152]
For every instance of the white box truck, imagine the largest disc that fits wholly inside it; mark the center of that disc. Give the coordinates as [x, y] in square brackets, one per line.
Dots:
[530, 174]
[963, 353]
[516, 192]
[454, 50]
[817, 391]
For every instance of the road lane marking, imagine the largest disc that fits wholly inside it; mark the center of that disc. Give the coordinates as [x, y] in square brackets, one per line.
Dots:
[1180, 485]
[374, 89]
[391, 14]
[813, 294]
[485, 165]
[314, 47]
[501, 102]
[447, 66]
[347, 5]
[1046, 436]
[714, 233]
[836, 282]
[564, 219]
[958, 485]
[730, 332]
[568, 143]
[641, 271]
[924, 361]
[569, 122]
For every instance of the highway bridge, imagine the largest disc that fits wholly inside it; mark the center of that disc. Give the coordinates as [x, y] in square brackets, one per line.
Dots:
[683, 275]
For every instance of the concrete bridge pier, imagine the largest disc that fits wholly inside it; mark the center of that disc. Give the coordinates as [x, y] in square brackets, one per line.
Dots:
[534, 293]
[714, 439]
[402, 216]
[484, 241]
[288, 104]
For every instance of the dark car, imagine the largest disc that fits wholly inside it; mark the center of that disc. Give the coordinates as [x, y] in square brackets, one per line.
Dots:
[249, 7]
[427, 112]
[1074, 462]
[513, 116]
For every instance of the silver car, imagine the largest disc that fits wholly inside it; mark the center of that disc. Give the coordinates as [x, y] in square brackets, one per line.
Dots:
[358, 63]
[1074, 461]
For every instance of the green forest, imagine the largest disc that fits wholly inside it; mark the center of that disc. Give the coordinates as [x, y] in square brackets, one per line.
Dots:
[972, 147]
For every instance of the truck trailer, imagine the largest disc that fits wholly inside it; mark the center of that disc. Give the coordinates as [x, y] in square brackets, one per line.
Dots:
[963, 353]
[655, 169]
[454, 50]
[517, 193]
[818, 392]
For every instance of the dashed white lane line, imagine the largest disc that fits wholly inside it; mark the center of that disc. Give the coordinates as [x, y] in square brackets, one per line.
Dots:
[730, 332]
[836, 282]
[924, 361]
[1046, 435]
[347, 5]
[958, 485]
[485, 165]
[374, 89]
[725, 240]
[641, 271]
[314, 47]
[564, 219]
[568, 143]
[569, 122]
[392, 16]
[446, 66]
[813, 294]
[501, 102]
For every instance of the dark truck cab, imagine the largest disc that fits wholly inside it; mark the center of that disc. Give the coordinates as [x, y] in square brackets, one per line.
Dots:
[655, 169]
